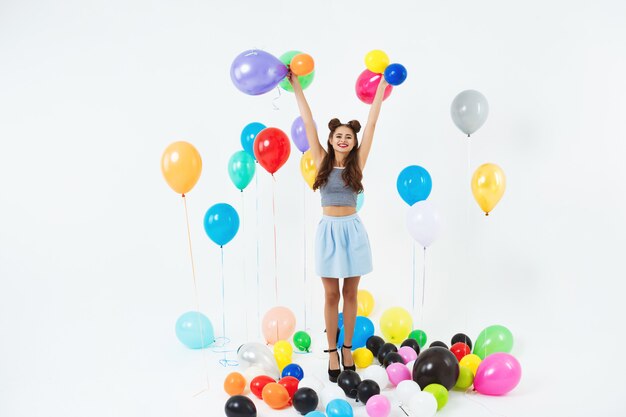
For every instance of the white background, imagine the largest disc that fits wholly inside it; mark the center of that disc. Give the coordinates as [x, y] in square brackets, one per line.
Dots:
[94, 262]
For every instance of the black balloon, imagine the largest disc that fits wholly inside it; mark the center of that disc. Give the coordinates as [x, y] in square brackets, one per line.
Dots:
[348, 381]
[392, 357]
[438, 343]
[384, 350]
[412, 343]
[366, 389]
[305, 400]
[374, 343]
[463, 338]
[239, 406]
[436, 365]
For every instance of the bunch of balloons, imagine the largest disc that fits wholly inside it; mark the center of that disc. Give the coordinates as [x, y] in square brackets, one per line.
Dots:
[301, 65]
[377, 66]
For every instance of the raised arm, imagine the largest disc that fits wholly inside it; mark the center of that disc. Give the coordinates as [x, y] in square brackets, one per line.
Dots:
[372, 118]
[317, 151]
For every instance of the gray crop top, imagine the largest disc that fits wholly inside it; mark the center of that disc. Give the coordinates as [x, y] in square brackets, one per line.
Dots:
[335, 192]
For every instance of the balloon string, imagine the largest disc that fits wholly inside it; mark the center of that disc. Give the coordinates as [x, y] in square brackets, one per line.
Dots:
[275, 255]
[276, 98]
[468, 395]
[195, 289]
[423, 285]
[469, 235]
[245, 275]
[258, 286]
[304, 246]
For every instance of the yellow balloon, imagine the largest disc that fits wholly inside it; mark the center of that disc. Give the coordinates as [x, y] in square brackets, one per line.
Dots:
[488, 184]
[470, 361]
[282, 361]
[376, 61]
[396, 324]
[181, 166]
[307, 168]
[363, 357]
[365, 303]
[283, 347]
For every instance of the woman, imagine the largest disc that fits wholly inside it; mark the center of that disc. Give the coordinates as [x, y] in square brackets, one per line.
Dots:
[342, 245]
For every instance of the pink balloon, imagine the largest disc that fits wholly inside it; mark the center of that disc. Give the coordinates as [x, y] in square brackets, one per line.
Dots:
[279, 323]
[497, 374]
[366, 86]
[398, 372]
[407, 353]
[378, 406]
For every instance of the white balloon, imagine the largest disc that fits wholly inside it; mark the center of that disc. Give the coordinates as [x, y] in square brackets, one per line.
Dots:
[311, 382]
[329, 393]
[376, 373]
[405, 391]
[469, 111]
[410, 366]
[424, 222]
[423, 404]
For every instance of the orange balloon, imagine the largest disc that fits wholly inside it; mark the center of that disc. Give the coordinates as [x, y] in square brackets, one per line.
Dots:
[302, 64]
[275, 395]
[279, 323]
[234, 384]
[181, 166]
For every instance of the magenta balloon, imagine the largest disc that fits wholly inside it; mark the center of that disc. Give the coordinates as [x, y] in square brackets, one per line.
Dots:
[366, 86]
[497, 374]
[256, 72]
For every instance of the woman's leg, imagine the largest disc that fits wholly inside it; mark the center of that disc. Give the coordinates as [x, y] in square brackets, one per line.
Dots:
[331, 313]
[349, 291]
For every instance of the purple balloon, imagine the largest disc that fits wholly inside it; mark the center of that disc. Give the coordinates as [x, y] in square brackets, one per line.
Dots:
[298, 135]
[256, 72]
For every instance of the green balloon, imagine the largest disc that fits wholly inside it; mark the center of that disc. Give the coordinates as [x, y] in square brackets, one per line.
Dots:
[493, 339]
[440, 392]
[241, 168]
[466, 378]
[302, 341]
[420, 336]
[305, 80]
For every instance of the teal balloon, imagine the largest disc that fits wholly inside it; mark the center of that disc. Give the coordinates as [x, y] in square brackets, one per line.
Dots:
[493, 339]
[194, 330]
[248, 135]
[221, 223]
[241, 168]
[360, 199]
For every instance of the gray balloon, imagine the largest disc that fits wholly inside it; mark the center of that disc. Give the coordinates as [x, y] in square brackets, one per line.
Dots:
[469, 111]
[259, 355]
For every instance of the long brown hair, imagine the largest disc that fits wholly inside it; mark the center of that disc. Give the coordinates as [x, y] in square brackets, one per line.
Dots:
[352, 174]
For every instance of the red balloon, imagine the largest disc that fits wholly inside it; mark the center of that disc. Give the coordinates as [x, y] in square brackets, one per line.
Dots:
[460, 349]
[271, 148]
[258, 383]
[366, 86]
[291, 385]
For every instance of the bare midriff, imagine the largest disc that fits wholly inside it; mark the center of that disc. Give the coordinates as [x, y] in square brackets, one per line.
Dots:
[338, 211]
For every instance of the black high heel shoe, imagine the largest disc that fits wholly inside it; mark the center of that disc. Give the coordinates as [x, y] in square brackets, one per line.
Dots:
[347, 368]
[333, 374]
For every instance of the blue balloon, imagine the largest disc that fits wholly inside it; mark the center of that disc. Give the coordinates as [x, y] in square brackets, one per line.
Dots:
[363, 330]
[248, 135]
[414, 184]
[340, 320]
[315, 414]
[339, 408]
[256, 72]
[221, 223]
[360, 199]
[293, 370]
[194, 330]
[395, 74]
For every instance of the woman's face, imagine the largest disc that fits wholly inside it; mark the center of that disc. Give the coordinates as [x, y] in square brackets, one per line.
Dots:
[343, 140]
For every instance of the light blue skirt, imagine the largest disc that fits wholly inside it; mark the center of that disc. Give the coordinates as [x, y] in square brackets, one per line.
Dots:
[342, 248]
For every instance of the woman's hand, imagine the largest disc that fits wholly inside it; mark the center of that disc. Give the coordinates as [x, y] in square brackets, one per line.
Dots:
[293, 79]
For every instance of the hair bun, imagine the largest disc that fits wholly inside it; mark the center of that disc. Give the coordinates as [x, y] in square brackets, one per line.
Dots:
[334, 124]
[355, 125]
